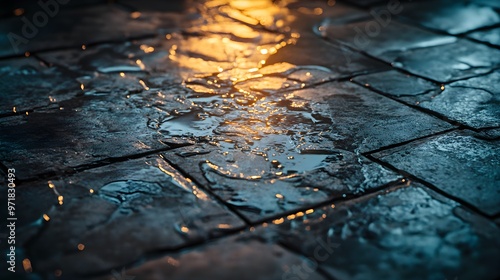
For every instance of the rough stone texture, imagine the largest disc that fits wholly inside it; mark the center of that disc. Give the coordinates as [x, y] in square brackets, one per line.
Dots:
[209, 139]
[449, 62]
[135, 207]
[341, 60]
[472, 102]
[491, 36]
[349, 106]
[396, 84]
[459, 163]
[76, 27]
[453, 17]
[269, 179]
[79, 132]
[369, 36]
[407, 233]
[26, 84]
[243, 257]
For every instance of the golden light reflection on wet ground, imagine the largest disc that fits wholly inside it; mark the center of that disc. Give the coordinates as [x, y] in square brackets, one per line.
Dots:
[222, 60]
[235, 100]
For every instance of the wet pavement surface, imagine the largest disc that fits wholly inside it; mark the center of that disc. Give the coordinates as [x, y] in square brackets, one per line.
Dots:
[251, 139]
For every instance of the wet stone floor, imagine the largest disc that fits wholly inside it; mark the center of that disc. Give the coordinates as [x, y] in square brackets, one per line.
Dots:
[250, 139]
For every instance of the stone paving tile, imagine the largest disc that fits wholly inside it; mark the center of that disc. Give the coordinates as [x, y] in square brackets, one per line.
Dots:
[266, 181]
[364, 121]
[461, 164]
[248, 85]
[341, 60]
[95, 24]
[491, 36]
[243, 257]
[83, 130]
[407, 233]
[449, 62]
[397, 84]
[103, 58]
[26, 84]
[117, 213]
[472, 102]
[378, 38]
[453, 17]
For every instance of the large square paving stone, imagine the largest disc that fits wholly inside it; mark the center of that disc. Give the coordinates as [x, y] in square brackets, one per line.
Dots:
[462, 164]
[405, 233]
[110, 216]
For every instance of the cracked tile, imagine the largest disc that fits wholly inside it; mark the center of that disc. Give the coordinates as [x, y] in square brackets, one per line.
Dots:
[363, 120]
[472, 102]
[135, 207]
[461, 164]
[491, 36]
[450, 62]
[378, 39]
[406, 233]
[81, 131]
[26, 84]
[271, 178]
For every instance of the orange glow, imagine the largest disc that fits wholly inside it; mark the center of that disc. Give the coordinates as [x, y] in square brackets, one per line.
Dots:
[27, 265]
[140, 64]
[172, 261]
[135, 15]
[143, 84]
[147, 49]
[278, 221]
[18, 12]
